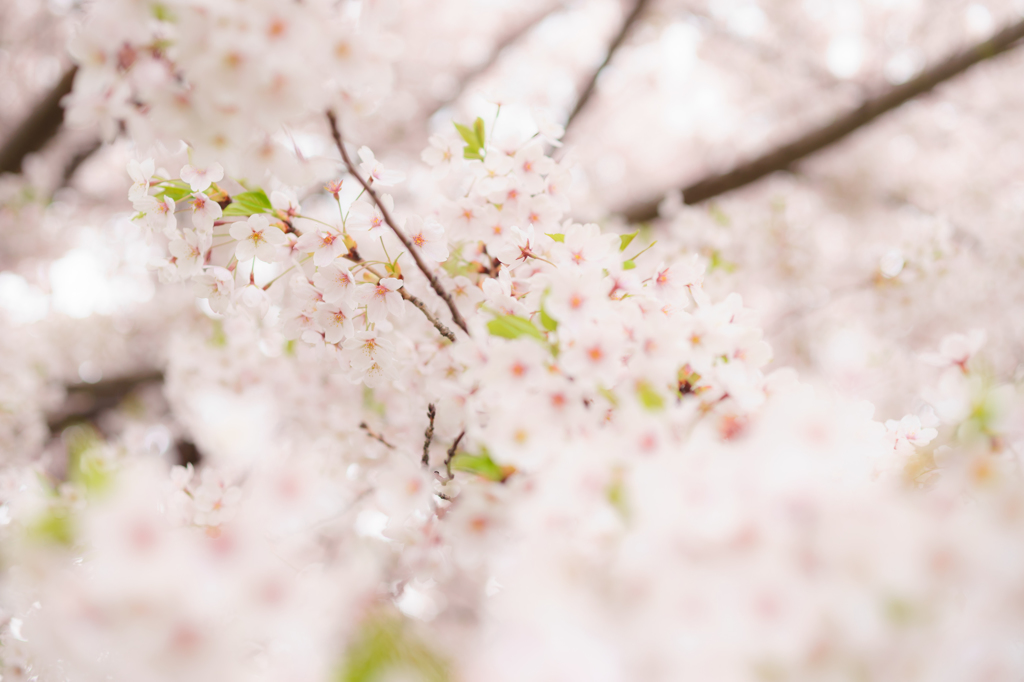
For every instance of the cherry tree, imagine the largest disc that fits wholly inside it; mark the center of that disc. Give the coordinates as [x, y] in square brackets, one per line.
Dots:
[404, 340]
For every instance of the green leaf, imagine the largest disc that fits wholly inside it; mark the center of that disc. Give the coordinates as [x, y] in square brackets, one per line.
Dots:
[718, 215]
[382, 647]
[162, 13]
[649, 398]
[608, 395]
[218, 339]
[478, 128]
[546, 321]
[482, 465]
[175, 193]
[86, 463]
[468, 134]
[512, 327]
[556, 236]
[54, 527]
[717, 262]
[249, 203]
[474, 138]
[616, 494]
[625, 239]
[628, 265]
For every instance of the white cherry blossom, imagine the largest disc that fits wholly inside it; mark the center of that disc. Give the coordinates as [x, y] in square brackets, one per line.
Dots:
[200, 179]
[428, 235]
[375, 170]
[258, 238]
[336, 282]
[205, 212]
[381, 299]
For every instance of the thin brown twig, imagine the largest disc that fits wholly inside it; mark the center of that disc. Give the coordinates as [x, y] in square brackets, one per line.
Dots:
[428, 436]
[451, 454]
[438, 325]
[435, 283]
[588, 90]
[785, 156]
[374, 435]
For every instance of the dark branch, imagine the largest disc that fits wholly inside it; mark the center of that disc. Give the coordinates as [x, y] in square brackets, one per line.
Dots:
[38, 128]
[438, 325]
[374, 435]
[588, 91]
[86, 402]
[451, 454]
[435, 283]
[429, 435]
[787, 155]
[510, 39]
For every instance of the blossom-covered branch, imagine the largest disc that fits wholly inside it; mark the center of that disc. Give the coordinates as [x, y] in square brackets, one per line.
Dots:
[435, 283]
[785, 156]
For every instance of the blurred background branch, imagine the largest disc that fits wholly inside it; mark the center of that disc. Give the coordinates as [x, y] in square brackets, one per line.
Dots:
[38, 127]
[783, 157]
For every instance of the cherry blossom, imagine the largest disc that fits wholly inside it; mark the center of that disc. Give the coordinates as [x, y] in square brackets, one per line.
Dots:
[258, 238]
[141, 172]
[336, 282]
[200, 179]
[366, 218]
[205, 212]
[324, 245]
[336, 321]
[441, 154]
[428, 235]
[189, 250]
[381, 298]
[217, 285]
[375, 170]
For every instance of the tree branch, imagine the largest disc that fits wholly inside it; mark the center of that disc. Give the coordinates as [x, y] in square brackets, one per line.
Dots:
[374, 435]
[588, 91]
[504, 43]
[451, 454]
[788, 154]
[38, 128]
[435, 283]
[428, 436]
[86, 402]
[438, 325]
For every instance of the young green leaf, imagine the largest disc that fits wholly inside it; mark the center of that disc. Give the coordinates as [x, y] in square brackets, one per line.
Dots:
[482, 465]
[512, 327]
[478, 129]
[174, 192]
[556, 236]
[249, 203]
[649, 398]
[625, 239]
[468, 134]
[546, 321]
